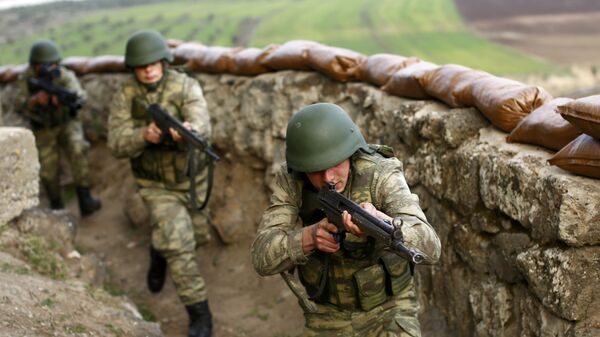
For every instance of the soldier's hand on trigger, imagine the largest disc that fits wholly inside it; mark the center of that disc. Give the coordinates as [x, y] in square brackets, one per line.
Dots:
[320, 236]
[352, 227]
[176, 136]
[152, 133]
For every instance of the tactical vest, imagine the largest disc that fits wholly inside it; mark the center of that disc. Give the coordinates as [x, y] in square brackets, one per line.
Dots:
[167, 162]
[361, 275]
[48, 116]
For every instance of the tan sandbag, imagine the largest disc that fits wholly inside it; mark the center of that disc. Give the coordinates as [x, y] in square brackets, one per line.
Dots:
[581, 156]
[584, 113]
[186, 51]
[545, 127]
[78, 64]
[10, 73]
[506, 102]
[377, 69]
[106, 64]
[405, 82]
[215, 60]
[248, 61]
[451, 83]
[174, 43]
[292, 55]
[338, 63]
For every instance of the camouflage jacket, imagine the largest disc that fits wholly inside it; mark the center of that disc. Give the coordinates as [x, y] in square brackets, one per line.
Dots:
[47, 116]
[179, 95]
[278, 243]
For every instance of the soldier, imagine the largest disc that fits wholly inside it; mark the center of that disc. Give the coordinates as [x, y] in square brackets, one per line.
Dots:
[356, 287]
[56, 125]
[160, 166]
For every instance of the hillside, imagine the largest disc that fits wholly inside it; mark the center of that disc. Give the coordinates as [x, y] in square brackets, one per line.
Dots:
[431, 30]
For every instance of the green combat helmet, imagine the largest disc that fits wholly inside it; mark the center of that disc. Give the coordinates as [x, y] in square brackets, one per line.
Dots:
[43, 51]
[146, 47]
[320, 136]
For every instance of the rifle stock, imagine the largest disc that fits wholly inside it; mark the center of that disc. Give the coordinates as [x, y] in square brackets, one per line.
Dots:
[334, 204]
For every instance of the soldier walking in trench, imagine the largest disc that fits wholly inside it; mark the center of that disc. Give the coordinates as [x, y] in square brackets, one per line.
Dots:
[160, 165]
[55, 125]
[352, 287]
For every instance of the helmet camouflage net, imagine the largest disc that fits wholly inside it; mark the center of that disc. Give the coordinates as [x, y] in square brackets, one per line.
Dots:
[320, 136]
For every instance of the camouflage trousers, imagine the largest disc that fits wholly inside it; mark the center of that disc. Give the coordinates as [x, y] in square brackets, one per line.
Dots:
[177, 230]
[49, 142]
[394, 318]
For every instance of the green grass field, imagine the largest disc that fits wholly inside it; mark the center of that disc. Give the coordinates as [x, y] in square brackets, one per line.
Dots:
[430, 29]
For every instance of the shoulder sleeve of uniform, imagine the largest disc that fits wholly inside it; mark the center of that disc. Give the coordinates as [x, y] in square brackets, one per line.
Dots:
[395, 199]
[278, 243]
[124, 139]
[69, 80]
[195, 110]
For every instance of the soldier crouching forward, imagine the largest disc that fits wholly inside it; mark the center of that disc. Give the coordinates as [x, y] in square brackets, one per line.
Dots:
[352, 284]
[162, 167]
[50, 98]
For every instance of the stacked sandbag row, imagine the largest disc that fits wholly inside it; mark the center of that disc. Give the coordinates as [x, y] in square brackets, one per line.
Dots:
[526, 112]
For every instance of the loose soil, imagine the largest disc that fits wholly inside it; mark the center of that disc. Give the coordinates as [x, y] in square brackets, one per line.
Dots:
[243, 303]
[563, 32]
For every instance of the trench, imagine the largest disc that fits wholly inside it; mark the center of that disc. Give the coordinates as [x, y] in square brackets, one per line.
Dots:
[507, 221]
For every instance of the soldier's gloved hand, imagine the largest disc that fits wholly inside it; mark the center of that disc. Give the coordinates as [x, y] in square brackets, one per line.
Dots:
[320, 236]
[176, 136]
[152, 133]
[353, 228]
[39, 98]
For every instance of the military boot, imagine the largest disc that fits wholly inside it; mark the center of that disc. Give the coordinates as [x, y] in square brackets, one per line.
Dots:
[56, 203]
[87, 204]
[200, 320]
[157, 272]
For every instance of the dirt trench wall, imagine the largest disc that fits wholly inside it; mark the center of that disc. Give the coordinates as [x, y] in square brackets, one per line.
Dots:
[521, 239]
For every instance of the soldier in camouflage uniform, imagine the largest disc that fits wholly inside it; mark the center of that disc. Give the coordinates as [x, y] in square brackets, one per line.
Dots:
[160, 165]
[55, 126]
[356, 287]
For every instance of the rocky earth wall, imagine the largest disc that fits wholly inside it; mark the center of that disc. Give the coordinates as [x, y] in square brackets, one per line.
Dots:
[521, 238]
[19, 167]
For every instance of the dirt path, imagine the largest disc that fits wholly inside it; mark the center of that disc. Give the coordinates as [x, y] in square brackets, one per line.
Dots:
[564, 32]
[243, 303]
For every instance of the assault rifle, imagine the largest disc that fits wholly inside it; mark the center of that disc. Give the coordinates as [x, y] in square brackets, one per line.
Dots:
[65, 96]
[334, 204]
[164, 121]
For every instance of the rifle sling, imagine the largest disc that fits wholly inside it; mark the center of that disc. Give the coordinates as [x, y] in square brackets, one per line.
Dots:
[193, 167]
[322, 280]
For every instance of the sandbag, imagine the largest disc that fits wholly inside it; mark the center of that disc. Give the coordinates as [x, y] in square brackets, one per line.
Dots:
[506, 102]
[451, 84]
[187, 51]
[405, 82]
[581, 156]
[584, 113]
[292, 55]
[215, 60]
[106, 64]
[10, 73]
[338, 63]
[248, 61]
[545, 127]
[174, 43]
[377, 69]
[78, 64]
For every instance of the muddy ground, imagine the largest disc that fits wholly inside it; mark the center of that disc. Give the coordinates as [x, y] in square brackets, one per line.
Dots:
[563, 32]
